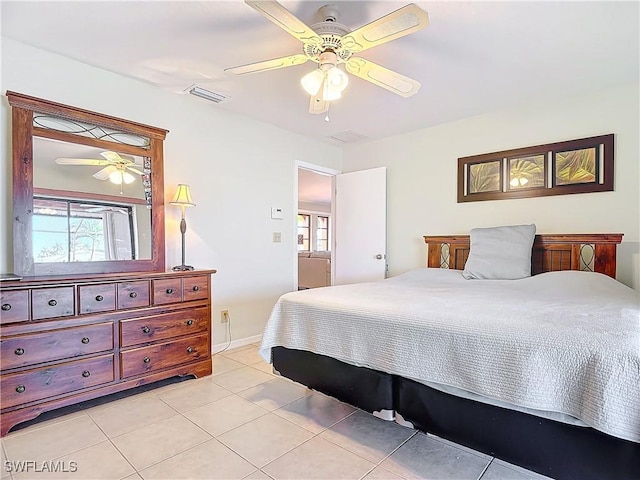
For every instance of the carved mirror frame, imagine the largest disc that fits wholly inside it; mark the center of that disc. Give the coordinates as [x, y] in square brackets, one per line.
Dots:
[23, 109]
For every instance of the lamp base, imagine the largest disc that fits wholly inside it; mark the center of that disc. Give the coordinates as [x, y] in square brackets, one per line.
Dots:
[182, 268]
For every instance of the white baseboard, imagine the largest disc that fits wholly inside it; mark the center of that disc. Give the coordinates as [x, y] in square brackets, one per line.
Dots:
[241, 342]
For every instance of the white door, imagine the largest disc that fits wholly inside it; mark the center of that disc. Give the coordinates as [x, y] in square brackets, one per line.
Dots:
[360, 226]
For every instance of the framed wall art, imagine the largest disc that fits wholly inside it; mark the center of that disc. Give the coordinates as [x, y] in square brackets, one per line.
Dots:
[575, 166]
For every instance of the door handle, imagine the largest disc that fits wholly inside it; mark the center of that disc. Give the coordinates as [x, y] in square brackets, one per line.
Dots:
[379, 256]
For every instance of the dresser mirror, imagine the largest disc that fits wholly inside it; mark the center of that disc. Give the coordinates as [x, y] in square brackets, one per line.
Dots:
[88, 191]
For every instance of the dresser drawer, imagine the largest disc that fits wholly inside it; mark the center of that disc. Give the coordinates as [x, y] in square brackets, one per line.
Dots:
[97, 298]
[52, 302]
[72, 342]
[168, 290]
[42, 383]
[133, 294]
[161, 327]
[195, 288]
[149, 359]
[15, 306]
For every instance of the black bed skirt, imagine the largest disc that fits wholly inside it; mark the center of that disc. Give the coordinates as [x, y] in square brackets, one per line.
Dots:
[554, 449]
[367, 389]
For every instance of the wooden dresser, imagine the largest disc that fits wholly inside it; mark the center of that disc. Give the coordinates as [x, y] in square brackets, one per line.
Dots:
[69, 339]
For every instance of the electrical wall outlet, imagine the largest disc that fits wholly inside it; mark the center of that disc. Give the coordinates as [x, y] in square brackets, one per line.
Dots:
[224, 316]
[277, 237]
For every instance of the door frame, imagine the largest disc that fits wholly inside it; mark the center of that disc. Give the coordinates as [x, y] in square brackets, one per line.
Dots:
[322, 170]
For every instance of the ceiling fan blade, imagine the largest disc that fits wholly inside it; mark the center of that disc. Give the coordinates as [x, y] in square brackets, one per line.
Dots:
[134, 170]
[289, 61]
[105, 172]
[317, 104]
[81, 161]
[113, 157]
[285, 20]
[383, 77]
[404, 21]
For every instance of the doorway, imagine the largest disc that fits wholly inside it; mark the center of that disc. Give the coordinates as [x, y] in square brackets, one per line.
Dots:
[354, 231]
[314, 227]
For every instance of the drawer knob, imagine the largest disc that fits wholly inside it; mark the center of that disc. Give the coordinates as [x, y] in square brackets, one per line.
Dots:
[189, 322]
[99, 298]
[146, 359]
[19, 351]
[196, 288]
[53, 303]
[145, 329]
[133, 294]
[189, 349]
[20, 388]
[86, 374]
[6, 307]
[85, 340]
[169, 291]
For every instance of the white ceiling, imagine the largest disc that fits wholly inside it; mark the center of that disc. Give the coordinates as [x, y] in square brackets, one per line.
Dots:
[313, 187]
[474, 57]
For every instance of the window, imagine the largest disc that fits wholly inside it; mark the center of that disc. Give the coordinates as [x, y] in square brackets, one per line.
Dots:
[313, 232]
[78, 231]
[322, 233]
[304, 231]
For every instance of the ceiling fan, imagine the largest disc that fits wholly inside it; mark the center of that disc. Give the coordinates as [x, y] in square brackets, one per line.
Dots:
[329, 44]
[116, 168]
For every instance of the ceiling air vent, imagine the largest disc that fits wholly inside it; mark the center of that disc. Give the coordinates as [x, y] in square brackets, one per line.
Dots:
[206, 94]
[348, 137]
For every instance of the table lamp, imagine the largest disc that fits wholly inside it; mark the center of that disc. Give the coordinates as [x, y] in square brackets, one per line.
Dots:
[183, 200]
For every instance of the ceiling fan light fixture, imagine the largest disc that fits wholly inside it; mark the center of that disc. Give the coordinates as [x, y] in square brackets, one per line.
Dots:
[337, 79]
[118, 177]
[329, 83]
[312, 81]
[330, 93]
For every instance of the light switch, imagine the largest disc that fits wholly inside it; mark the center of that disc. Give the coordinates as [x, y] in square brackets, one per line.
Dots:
[276, 213]
[277, 237]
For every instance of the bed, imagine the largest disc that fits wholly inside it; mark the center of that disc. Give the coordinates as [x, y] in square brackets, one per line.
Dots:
[552, 387]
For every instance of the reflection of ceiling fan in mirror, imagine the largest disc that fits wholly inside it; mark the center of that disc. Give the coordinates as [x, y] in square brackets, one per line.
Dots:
[329, 44]
[116, 167]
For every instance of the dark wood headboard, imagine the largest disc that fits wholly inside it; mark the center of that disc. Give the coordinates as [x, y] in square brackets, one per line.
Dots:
[583, 251]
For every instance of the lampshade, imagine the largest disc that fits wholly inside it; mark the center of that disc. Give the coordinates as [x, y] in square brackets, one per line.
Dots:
[118, 177]
[312, 81]
[332, 81]
[337, 79]
[183, 197]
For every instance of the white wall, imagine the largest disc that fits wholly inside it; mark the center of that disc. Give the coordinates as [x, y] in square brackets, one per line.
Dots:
[237, 169]
[422, 175]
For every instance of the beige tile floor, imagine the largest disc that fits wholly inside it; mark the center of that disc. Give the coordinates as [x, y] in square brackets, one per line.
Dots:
[242, 422]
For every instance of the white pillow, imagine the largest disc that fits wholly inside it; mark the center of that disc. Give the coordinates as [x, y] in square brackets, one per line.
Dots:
[500, 253]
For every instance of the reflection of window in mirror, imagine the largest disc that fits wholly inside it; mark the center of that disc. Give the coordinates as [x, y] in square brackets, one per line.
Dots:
[66, 230]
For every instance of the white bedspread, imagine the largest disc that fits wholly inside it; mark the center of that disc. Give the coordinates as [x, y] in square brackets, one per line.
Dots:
[566, 342]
